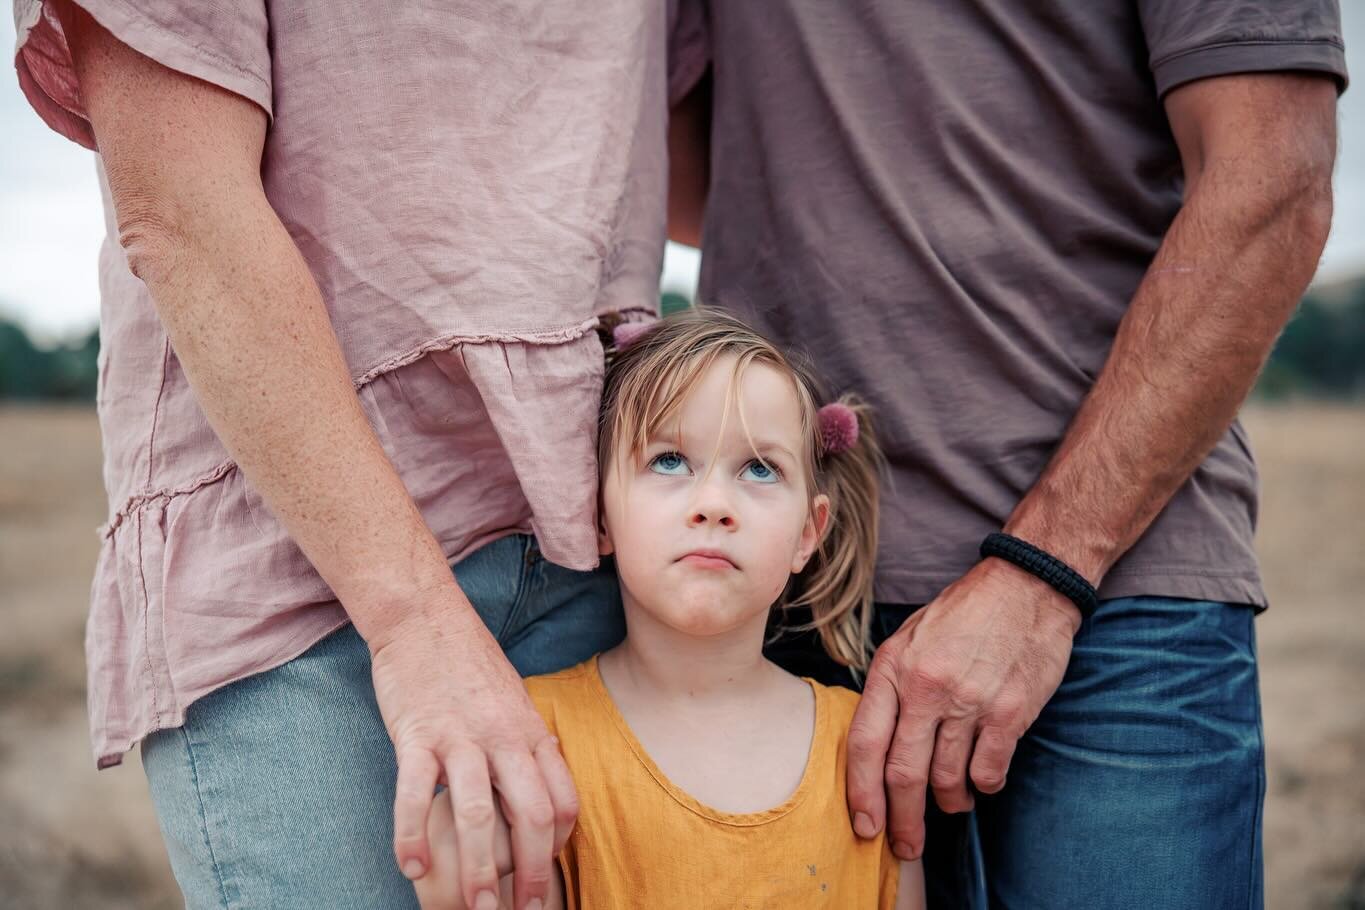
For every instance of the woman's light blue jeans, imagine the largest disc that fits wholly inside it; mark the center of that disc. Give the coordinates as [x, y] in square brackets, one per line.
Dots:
[278, 790]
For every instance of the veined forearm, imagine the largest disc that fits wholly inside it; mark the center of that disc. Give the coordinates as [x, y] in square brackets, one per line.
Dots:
[248, 324]
[1230, 271]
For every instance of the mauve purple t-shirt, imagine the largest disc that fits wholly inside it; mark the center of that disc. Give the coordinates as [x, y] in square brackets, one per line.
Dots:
[950, 205]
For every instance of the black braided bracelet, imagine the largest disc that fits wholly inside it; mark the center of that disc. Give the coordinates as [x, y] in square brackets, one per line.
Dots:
[1066, 580]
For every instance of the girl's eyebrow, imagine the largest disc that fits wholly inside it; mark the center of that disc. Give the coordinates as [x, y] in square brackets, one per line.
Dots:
[764, 446]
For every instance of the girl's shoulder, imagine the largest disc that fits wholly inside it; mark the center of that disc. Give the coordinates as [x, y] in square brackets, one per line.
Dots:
[567, 697]
[841, 704]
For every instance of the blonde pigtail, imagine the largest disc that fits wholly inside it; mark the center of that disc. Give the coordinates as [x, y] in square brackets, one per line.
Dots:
[836, 586]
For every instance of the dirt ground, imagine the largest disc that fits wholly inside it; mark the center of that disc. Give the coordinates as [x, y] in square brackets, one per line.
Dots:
[74, 839]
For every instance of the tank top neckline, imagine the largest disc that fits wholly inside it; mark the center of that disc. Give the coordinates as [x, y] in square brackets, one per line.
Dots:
[815, 759]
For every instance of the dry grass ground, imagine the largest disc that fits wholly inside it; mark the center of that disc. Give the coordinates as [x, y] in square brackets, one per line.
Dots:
[74, 839]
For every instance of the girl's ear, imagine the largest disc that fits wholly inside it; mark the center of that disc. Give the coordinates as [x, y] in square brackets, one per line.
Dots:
[817, 521]
[604, 544]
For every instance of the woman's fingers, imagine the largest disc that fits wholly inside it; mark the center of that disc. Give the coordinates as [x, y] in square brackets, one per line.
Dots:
[471, 801]
[563, 794]
[531, 815]
[417, 773]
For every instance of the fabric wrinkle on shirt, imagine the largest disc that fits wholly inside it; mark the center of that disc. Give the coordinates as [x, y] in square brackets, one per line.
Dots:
[470, 186]
[951, 206]
[642, 841]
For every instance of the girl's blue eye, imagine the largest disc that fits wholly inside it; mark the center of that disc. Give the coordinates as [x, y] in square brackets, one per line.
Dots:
[669, 463]
[760, 472]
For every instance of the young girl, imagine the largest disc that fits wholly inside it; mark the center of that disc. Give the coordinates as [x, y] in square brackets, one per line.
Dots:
[706, 775]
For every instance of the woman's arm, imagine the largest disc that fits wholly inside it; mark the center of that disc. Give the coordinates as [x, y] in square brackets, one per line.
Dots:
[689, 163]
[250, 329]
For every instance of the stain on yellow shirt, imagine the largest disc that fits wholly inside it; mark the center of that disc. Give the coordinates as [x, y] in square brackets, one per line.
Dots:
[641, 842]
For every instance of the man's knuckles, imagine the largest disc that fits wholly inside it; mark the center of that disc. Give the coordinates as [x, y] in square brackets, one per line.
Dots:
[901, 775]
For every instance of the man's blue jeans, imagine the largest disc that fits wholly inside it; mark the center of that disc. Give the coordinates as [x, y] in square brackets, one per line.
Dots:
[1139, 786]
[278, 790]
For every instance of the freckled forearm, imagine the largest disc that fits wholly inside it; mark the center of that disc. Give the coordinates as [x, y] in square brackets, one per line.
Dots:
[248, 324]
[1227, 277]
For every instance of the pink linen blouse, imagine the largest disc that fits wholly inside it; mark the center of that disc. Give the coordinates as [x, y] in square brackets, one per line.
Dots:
[471, 184]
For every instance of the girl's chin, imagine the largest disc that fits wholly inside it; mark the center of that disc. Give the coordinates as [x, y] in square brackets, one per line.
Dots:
[704, 616]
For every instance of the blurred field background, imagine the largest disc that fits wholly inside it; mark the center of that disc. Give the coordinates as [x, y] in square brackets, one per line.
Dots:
[74, 839]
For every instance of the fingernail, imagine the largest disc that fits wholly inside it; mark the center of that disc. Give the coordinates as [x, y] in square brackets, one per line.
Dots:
[486, 900]
[413, 868]
[862, 824]
[534, 904]
[903, 851]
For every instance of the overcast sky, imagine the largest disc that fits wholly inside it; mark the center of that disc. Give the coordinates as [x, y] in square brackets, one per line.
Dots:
[51, 224]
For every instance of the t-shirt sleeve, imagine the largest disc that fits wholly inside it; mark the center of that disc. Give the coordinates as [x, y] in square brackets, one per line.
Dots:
[689, 47]
[226, 44]
[1195, 39]
[544, 694]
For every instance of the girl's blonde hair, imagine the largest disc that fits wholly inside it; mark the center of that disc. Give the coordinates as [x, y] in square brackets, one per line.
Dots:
[647, 383]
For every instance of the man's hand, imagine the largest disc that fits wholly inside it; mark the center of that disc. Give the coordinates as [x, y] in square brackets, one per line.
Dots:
[457, 712]
[950, 693]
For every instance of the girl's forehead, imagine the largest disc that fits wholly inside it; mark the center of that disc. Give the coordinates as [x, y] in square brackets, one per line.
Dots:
[761, 398]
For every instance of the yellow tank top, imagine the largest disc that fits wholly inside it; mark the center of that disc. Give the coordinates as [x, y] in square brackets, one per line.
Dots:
[641, 842]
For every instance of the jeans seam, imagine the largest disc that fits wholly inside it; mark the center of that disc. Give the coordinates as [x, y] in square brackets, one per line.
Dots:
[1261, 788]
[204, 821]
[525, 565]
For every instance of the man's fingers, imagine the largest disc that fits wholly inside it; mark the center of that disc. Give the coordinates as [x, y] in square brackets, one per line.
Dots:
[948, 770]
[991, 760]
[531, 815]
[471, 800]
[416, 787]
[869, 737]
[907, 778]
[563, 794]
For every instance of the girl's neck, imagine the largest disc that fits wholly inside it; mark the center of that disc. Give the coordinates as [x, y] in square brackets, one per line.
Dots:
[674, 666]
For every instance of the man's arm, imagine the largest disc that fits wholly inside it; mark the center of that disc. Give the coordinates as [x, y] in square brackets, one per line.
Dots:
[249, 326]
[966, 676]
[689, 163]
[1258, 152]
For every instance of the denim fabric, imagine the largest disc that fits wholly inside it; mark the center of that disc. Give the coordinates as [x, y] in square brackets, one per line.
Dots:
[278, 790]
[1139, 786]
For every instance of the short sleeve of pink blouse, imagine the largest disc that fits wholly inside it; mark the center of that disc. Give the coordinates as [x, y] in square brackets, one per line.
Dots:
[470, 184]
[227, 44]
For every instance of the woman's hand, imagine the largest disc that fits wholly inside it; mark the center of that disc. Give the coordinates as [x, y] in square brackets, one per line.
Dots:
[458, 712]
[440, 888]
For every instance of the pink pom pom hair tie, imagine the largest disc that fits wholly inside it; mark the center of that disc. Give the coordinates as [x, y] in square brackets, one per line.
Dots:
[625, 334]
[838, 428]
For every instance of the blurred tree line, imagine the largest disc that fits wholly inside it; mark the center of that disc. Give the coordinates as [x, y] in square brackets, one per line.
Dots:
[31, 373]
[1320, 355]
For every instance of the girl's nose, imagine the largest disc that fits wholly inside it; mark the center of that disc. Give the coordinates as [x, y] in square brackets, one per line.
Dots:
[712, 516]
[712, 507]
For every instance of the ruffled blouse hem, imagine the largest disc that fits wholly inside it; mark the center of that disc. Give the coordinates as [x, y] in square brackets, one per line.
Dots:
[555, 336]
[109, 752]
